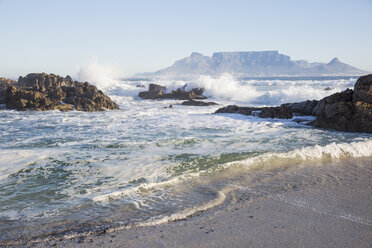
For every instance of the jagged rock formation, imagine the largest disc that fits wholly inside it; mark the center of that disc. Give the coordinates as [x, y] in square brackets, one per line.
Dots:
[159, 92]
[350, 110]
[252, 64]
[41, 91]
[302, 108]
[4, 84]
[281, 112]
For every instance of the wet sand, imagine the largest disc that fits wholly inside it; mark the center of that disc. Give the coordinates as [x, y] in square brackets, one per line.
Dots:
[334, 211]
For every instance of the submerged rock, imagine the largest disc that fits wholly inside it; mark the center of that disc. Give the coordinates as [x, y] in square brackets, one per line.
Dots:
[159, 92]
[233, 109]
[198, 103]
[41, 91]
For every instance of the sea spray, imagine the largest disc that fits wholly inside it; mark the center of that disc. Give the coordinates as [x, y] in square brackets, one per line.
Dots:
[227, 87]
[102, 76]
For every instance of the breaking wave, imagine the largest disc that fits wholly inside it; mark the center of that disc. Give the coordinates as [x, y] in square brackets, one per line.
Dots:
[228, 89]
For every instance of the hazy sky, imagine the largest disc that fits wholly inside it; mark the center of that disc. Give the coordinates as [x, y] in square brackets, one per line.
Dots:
[139, 35]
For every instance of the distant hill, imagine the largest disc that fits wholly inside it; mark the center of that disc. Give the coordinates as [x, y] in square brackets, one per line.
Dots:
[252, 64]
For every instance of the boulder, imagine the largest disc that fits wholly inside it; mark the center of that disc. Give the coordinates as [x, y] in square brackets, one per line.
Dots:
[86, 97]
[4, 84]
[302, 108]
[281, 112]
[156, 87]
[32, 100]
[363, 89]
[350, 110]
[198, 103]
[41, 91]
[159, 92]
[151, 94]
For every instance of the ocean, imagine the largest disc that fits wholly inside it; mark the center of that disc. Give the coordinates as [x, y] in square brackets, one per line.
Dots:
[70, 173]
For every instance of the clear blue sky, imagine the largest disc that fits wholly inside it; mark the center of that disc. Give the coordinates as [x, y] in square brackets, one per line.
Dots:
[136, 36]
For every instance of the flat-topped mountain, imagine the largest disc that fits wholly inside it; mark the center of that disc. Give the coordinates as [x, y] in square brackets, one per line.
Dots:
[252, 64]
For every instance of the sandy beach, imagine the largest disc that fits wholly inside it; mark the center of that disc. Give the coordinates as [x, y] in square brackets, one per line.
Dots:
[331, 208]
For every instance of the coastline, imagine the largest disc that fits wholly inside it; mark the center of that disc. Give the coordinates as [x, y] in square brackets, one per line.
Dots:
[331, 209]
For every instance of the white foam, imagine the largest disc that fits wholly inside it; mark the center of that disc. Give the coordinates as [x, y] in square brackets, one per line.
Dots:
[260, 92]
[267, 160]
[308, 154]
[102, 76]
[14, 160]
[221, 196]
[227, 87]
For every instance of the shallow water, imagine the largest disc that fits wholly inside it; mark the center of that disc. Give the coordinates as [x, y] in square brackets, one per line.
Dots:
[75, 172]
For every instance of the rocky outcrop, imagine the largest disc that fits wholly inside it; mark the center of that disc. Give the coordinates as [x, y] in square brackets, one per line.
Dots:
[281, 112]
[32, 100]
[198, 103]
[233, 109]
[302, 108]
[159, 92]
[41, 91]
[4, 84]
[350, 110]
[363, 90]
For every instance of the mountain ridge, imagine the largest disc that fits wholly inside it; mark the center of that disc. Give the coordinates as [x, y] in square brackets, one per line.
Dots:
[252, 64]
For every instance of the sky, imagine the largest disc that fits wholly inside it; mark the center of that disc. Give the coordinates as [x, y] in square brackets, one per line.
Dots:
[62, 36]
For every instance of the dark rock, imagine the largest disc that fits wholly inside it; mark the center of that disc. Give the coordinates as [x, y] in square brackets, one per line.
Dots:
[267, 112]
[233, 109]
[302, 108]
[327, 89]
[41, 91]
[180, 94]
[32, 100]
[158, 92]
[198, 103]
[363, 89]
[156, 87]
[348, 110]
[328, 104]
[4, 84]
[86, 97]
[281, 112]
[151, 94]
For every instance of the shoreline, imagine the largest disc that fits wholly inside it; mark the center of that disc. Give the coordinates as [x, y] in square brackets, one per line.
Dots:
[331, 211]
